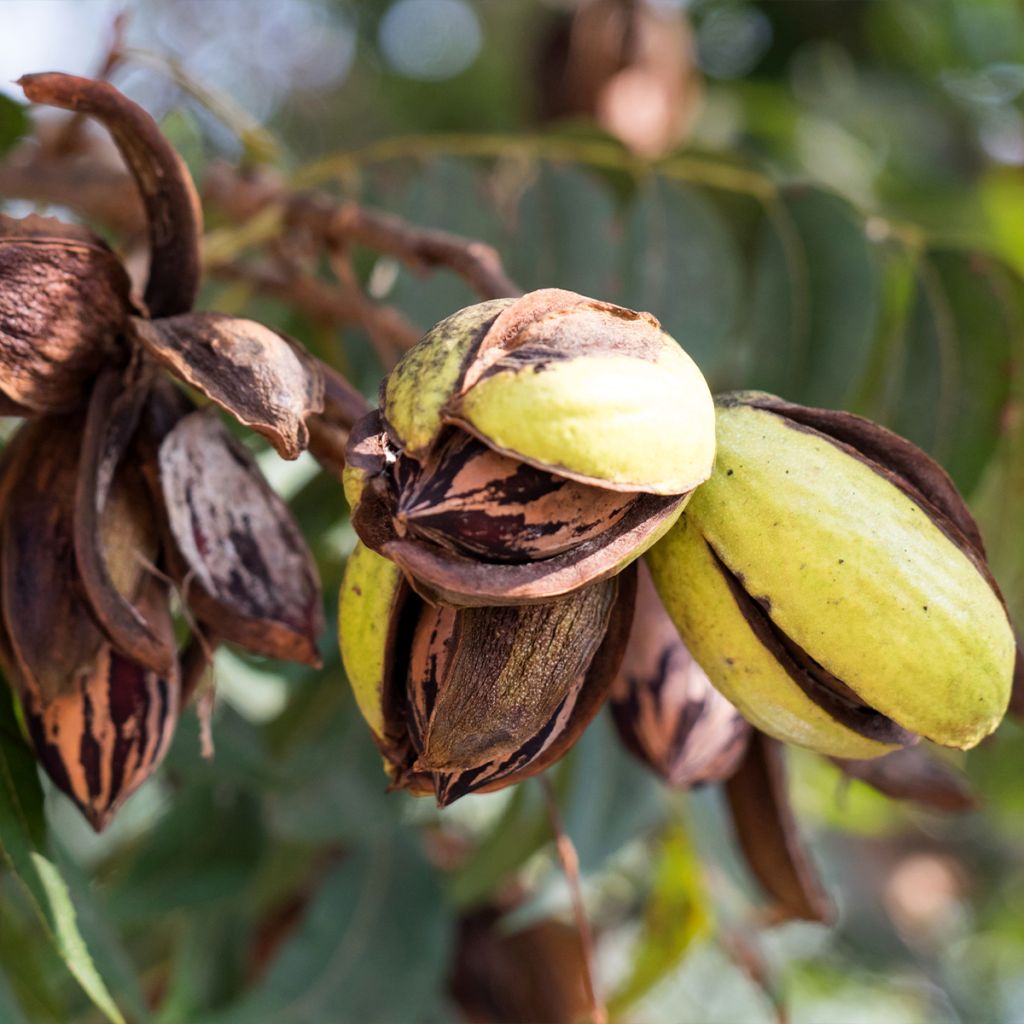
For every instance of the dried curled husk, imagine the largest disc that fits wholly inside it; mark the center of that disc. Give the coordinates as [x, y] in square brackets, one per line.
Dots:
[472, 700]
[833, 585]
[528, 447]
[235, 549]
[266, 381]
[767, 833]
[917, 776]
[64, 297]
[665, 709]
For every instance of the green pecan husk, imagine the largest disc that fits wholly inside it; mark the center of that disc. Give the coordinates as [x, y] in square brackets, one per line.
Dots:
[528, 447]
[832, 583]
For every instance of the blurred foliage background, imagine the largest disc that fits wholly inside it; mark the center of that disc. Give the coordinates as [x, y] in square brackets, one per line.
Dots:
[825, 200]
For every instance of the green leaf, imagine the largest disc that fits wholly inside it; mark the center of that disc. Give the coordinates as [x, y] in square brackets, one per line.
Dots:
[676, 915]
[680, 261]
[373, 946]
[108, 951]
[844, 288]
[610, 797]
[564, 234]
[10, 1012]
[348, 803]
[776, 335]
[14, 123]
[447, 195]
[957, 366]
[184, 863]
[21, 844]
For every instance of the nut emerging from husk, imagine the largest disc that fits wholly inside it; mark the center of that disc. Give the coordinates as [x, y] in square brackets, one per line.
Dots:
[831, 582]
[528, 447]
[475, 699]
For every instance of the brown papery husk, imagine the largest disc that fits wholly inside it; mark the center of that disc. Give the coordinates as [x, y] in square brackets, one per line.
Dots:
[536, 973]
[470, 500]
[173, 211]
[444, 576]
[489, 683]
[64, 300]
[917, 776]
[767, 832]
[238, 555]
[593, 693]
[666, 711]
[262, 378]
[115, 533]
[51, 629]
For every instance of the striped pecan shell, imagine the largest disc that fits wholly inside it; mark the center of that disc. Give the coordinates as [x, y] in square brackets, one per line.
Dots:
[475, 699]
[666, 710]
[526, 448]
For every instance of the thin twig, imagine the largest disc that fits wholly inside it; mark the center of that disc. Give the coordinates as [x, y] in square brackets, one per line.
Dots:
[334, 223]
[376, 325]
[424, 248]
[571, 868]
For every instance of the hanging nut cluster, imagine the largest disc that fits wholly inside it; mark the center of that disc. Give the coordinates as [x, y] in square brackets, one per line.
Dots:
[119, 492]
[818, 582]
[821, 578]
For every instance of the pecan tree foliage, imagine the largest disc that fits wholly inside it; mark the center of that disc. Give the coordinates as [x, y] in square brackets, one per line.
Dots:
[136, 527]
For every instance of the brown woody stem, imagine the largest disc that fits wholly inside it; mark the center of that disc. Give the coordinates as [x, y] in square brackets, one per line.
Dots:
[172, 206]
[334, 223]
[195, 660]
[571, 868]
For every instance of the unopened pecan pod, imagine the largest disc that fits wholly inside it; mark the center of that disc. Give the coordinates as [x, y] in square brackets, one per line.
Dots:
[831, 582]
[464, 700]
[528, 447]
[665, 709]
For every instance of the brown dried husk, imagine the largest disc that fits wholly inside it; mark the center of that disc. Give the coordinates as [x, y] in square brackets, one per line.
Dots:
[107, 733]
[916, 776]
[489, 688]
[115, 530]
[41, 589]
[260, 377]
[469, 499]
[63, 302]
[769, 838]
[239, 557]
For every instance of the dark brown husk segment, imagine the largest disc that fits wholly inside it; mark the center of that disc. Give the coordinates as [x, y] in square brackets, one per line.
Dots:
[405, 720]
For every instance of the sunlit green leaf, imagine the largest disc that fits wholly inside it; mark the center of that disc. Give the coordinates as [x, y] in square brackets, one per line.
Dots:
[22, 846]
[13, 123]
[675, 915]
